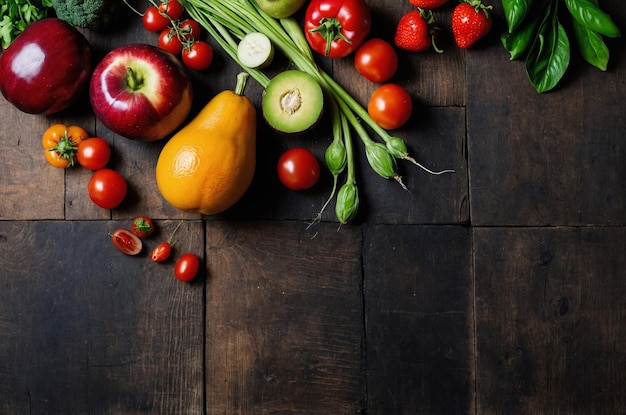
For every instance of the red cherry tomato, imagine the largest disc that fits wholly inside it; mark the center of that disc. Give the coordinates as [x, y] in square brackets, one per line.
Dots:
[298, 169]
[142, 226]
[107, 188]
[390, 106]
[168, 41]
[190, 29]
[153, 20]
[93, 153]
[161, 252]
[173, 8]
[376, 60]
[126, 241]
[336, 28]
[187, 266]
[198, 56]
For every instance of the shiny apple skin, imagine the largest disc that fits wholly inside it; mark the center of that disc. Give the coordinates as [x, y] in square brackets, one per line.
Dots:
[151, 111]
[46, 68]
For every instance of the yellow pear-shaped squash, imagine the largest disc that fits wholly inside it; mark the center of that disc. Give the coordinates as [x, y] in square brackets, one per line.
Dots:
[209, 164]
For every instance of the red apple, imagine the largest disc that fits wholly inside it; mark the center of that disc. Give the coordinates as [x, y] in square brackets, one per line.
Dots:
[46, 67]
[141, 92]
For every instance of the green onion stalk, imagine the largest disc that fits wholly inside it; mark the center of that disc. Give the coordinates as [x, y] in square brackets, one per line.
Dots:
[228, 21]
[347, 203]
[336, 154]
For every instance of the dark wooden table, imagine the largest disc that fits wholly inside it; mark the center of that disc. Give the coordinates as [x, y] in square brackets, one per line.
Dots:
[499, 289]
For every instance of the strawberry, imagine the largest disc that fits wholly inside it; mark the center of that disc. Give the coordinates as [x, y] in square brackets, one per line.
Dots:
[142, 226]
[416, 31]
[428, 4]
[470, 21]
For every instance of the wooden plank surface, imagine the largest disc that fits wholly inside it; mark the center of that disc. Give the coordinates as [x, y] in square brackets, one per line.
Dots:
[549, 159]
[549, 320]
[418, 313]
[284, 319]
[87, 329]
[494, 290]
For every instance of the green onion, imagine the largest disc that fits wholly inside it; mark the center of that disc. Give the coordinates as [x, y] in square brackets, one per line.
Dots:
[347, 202]
[336, 155]
[228, 20]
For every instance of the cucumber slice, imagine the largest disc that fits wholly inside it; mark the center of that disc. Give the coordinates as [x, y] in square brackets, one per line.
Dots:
[255, 50]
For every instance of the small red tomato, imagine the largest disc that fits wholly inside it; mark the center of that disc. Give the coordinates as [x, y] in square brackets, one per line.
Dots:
[376, 60]
[107, 188]
[142, 226]
[187, 266]
[153, 20]
[198, 56]
[169, 42]
[190, 29]
[390, 106]
[173, 8]
[126, 241]
[298, 169]
[93, 153]
[161, 252]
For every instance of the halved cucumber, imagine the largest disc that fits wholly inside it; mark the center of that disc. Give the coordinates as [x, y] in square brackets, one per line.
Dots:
[293, 102]
[255, 50]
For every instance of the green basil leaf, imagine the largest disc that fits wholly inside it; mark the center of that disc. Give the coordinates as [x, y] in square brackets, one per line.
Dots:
[515, 11]
[519, 41]
[549, 55]
[592, 17]
[591, 45]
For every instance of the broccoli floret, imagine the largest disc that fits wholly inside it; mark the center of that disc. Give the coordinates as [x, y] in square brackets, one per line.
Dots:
[94, 15]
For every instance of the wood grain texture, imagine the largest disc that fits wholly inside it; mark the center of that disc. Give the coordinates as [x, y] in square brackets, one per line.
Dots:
[85, 329]
[284, 320]
[550, 313]
[468, 294]
[419, 312]
[546, 159]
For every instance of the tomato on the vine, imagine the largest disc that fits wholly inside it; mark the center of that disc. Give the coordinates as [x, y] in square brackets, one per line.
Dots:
[390, 106]
[61, 143]
[376, 60]
[298, 169]
[173, 8]
[187, 267]
[153, 20]
[198, 56]
[107, 188]
[190, 29]
[162, 251]
[93, 153]
[168, 41]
